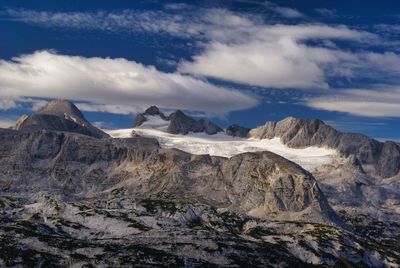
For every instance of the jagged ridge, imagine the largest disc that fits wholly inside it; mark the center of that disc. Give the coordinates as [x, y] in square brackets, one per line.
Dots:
[300, 133]
[260, 184]
[179, 122]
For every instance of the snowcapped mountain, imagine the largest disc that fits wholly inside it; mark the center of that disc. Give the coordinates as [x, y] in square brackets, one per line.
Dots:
[176, 123]
[173, 190]
[221, 144]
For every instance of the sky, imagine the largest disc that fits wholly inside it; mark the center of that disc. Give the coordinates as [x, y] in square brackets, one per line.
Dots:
[244, 61]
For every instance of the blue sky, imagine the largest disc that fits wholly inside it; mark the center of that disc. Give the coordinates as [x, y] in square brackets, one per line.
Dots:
[243, 62]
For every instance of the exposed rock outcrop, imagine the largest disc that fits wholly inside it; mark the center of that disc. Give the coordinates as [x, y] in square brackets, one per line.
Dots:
[237, 131]
[300, 133]
[60, 115]
[20, 121]
[153, 111]
[178, 122]
[144, 143]
[260, 184]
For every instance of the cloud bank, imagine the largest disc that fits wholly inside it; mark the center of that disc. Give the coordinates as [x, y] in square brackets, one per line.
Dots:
[242, 48]
[375, 102]
[112, 85]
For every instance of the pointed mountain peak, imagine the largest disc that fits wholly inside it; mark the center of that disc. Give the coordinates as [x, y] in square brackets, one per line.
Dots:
[178, 122]
[152, 110]
[179, 114]
[62, 108]
[237, 131]
[20, 121]
[302, 121]
[59, 115]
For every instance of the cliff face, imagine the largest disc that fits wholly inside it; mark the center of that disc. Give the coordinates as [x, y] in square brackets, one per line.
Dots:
[261, 184]
[70, 198]
[237, 131]
[300, 133]
[60, 115]
[178, 122]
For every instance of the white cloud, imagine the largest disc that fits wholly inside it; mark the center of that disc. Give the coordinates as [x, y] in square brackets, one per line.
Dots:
[6, 122]
[286, 12]
[388, 28]
[108, 108]
[103, 125]
[113, 85]
[276, 56]
[280, 65]
[243, 48]
[7, 103]
[376, 102]
[177, 6]
[125, 20]
[326, 12]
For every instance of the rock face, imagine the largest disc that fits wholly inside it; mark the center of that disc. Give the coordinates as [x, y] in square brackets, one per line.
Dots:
[60, 115]
[300, 133]
[179, 122]
[260, 184]
[209, 127]
[153, 110]
[237, 131]
[144, 143]
[68, 198]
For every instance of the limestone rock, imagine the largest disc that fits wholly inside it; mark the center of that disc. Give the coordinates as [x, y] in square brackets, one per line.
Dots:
[261, 184]
[300, 133]
[179, 122]
[237, 131]
[60, 115]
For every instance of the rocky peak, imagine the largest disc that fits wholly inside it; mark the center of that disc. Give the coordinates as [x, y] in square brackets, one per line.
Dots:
[209, 127]
[260, 184]
[62, 108]
[300, 133]
[179, 122]
[59, 115]
[178, 114]
[20, 121]
[237, 131]
[152, 110]
[296, 132]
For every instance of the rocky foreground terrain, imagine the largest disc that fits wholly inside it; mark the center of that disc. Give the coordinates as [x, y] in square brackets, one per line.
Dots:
[73, 196]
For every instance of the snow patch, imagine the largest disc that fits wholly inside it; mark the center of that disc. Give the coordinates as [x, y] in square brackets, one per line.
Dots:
[221, 144]
[155, 122]
[73, 119]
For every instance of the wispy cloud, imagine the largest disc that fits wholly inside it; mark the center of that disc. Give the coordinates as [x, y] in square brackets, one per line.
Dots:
[6, 122]
[389, 29]
[280, 56]
[113, 85]
[7, 103]
[374, 102]
[178, 6]
[286, 12]
[241, 48]
[325, 12]
[199, 23]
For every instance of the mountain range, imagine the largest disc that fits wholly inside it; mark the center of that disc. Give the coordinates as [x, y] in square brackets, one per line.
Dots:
[177, 191]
